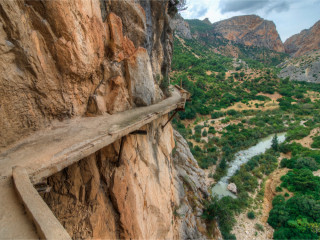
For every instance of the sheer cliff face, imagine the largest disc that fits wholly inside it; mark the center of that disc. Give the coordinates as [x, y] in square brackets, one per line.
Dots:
[77, 58]
[305, 41]
[146, 194]
[250, 30]
[101, 197]
[181, 27]
[61, 59]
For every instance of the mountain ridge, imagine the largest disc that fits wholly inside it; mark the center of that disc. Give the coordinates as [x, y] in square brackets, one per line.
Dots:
[250, 30]
[303, 42]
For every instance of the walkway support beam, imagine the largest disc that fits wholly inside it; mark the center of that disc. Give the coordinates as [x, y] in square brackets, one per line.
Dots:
[47, 225]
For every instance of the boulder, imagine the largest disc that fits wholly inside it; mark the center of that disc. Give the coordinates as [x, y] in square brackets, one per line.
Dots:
[232, 188]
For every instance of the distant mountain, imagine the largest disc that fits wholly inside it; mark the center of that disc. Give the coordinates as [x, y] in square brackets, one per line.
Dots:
[262, 34]
[303, 42]
[250, 30]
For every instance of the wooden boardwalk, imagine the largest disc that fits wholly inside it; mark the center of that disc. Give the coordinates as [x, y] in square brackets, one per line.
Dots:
[49, 151]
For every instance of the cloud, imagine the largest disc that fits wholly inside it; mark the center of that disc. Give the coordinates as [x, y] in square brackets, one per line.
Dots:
[279, 7]
[199, 11]
[253, 6]
[196, 10]
[242, 5]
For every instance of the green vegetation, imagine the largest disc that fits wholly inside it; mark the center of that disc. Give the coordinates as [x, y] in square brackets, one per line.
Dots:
[259, 227]
[316, 142]
[251, 215]
[255, 57]
[299, 216]
[232, 107]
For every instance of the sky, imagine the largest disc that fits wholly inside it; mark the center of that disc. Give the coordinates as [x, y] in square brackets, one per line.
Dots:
[290, 16]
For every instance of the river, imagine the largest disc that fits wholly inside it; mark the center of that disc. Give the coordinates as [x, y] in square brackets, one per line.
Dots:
[241, 157]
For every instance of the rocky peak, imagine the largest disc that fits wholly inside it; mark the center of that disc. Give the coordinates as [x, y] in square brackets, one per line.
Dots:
[250, 30]
[207, 21]
[303, 42]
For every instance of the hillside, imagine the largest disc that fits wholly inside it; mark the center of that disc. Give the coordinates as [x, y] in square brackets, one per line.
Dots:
[303, 42]
[303, 68]
[205, 34]
[238, 98]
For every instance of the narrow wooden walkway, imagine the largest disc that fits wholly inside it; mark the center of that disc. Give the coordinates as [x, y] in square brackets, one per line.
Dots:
[49, 151]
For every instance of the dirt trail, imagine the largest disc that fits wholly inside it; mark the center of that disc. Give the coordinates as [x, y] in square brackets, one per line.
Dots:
[307, 141]
[270, 191]
[270, 188]
[245, 228]
[273, 97]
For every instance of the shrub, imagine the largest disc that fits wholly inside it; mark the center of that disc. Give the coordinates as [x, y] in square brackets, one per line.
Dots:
[259, 227]
[232, 112]
[316, 142]
[298, 133]
[215, 115]
[204, 133]
[278, 189]
[251, 215]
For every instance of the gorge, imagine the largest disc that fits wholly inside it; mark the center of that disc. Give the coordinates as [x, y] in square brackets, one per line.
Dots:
[120, 119]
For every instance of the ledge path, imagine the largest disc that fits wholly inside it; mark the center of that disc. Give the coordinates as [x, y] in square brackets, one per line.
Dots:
[49, 151]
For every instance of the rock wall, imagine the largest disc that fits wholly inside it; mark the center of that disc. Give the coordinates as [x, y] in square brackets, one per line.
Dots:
[181, 27]
[250, 30]
[63, 59]
[148, 194]
[303, 42]
[304, 68]
[77, 58]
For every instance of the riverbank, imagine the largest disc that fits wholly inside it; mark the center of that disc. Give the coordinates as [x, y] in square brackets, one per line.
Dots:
[242, 157]
[246, 228]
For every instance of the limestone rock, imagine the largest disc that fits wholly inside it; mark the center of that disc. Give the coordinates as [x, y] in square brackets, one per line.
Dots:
[59, 59]
[146, 195]
[121, 46]
[190, 190]
[66, 59]
[304, 68]
[232, 188]
[181, 27]
[140, 78]
[250, 30]
[303, 42]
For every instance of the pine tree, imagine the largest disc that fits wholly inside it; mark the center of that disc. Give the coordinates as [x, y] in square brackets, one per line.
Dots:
[275, 143]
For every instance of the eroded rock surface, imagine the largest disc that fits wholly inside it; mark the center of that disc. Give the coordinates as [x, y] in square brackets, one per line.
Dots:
[304, 68]
[250, 30]
[190, 190]
[181, 27]
[139, 72]
[63, 59]
[67, 59]
[303, 42]
[146, 195]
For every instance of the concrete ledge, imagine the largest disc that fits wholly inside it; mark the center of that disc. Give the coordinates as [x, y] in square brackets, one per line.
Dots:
[47, 225]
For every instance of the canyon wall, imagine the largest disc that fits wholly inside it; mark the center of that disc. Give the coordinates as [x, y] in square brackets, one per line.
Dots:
[63, 59]
[151, 192]
[181, 27]
[82, 58]
[303, 42]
